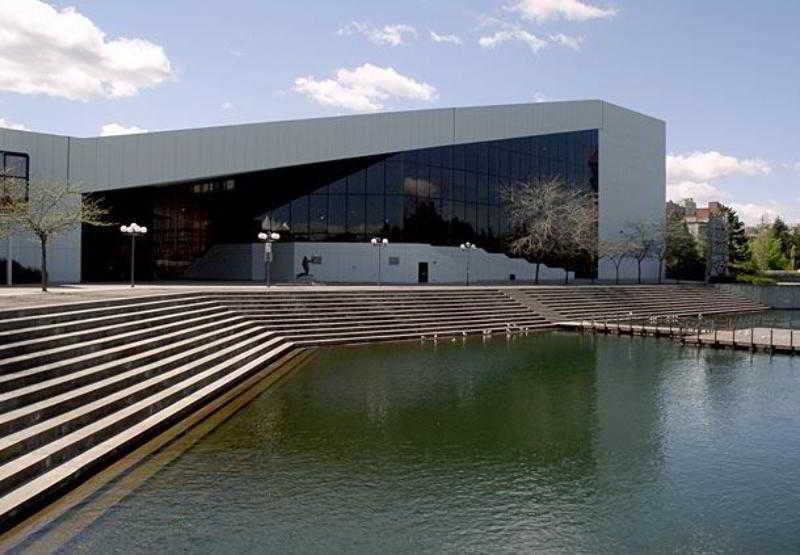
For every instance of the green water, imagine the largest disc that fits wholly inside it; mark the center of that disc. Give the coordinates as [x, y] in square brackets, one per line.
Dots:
[554, 442]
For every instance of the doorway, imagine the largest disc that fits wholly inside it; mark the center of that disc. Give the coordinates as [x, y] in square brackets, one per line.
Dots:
[423, 272]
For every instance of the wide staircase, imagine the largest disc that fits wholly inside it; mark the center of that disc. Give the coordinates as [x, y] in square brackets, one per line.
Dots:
[638, 302]
[82, 384]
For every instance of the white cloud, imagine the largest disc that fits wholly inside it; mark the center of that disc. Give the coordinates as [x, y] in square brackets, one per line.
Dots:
[566, 40]
[692, 176]
[364, 89]
[451, 38]
[540, 97]
[114, 129]
[12, 125]
[572, 10]
[506, 35]
[388, 35]
[60, 52]
[706, 166]
[227, 106]
[701, 192]
[753, 213]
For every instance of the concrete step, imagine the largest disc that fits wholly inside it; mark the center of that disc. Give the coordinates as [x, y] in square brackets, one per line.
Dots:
[443, 333]
[22, 333]
[136, 352]
[311, 326]
[165, 355]
[81, 336]
[49, 354]
[271, 318]
[359, 303]
[86, 414]
[67, 314]
[31, 426]
[415, 330]
[30, 311]
[169, 407]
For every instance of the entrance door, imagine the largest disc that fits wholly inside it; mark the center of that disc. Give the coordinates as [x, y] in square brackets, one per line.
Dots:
[423, 272]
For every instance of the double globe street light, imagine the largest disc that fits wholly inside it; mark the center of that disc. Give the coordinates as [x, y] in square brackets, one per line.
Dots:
[379, 243]
[268, 239]
[134, 230]
[468, 248]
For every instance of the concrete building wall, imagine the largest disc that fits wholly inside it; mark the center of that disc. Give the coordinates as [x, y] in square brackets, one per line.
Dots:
[105, 163]
[358, 263]
[631, 180]
[49, 162]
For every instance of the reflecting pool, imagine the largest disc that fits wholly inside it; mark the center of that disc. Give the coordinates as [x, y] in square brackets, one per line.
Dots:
[553, 442]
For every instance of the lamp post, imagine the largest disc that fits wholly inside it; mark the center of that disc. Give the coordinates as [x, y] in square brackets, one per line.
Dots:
[268, 239]
[379, 243]
[134, 230]
[468, 248]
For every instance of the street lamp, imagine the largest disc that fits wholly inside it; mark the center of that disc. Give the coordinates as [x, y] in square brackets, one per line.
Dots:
[468, 248]
[268, 239]
[379, 243]
[134, 230]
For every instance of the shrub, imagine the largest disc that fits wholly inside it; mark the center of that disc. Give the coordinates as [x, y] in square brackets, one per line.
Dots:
[754, 279]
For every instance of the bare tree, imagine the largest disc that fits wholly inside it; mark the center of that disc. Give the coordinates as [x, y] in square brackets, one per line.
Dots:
[615, 252]
[51, 209]
[642, 239]
[660, 246]
[549, 220]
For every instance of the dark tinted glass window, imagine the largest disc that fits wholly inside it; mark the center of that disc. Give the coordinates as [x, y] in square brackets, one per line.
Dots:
[319, 213]
[355, 214]
[483, 189]
[338, 187]
[16, 165]
[300, 216]
[355, 183]
[375, 216]
[394, 212]
[394, 177]
[375, 179]
[337, 214]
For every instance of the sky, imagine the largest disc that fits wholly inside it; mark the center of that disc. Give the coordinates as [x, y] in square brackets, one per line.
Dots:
[723, 75]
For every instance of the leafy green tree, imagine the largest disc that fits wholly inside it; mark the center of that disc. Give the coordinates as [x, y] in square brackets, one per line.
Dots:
[683, 253]
[767, 252]
[738, 243]
[780, 231]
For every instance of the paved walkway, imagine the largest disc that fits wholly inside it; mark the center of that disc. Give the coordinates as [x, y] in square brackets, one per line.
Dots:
[30, 295]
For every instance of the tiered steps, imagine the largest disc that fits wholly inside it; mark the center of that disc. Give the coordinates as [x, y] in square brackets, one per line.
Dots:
[637, 301]
[328, 317]
[82, 384]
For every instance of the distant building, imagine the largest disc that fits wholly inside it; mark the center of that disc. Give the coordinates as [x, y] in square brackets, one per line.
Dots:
[697, 218]
[709, 226]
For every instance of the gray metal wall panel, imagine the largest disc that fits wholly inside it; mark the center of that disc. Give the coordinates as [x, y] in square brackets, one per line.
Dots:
[502, 122]
[48, 163]
[632, 181]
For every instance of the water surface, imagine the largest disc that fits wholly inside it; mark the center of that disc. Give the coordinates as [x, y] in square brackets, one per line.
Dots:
[552, 442]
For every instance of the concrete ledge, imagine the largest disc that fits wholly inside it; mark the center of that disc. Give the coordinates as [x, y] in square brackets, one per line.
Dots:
[783, 296]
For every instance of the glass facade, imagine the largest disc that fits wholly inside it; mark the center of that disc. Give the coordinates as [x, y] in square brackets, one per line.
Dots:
[441, 196]
[14, 174]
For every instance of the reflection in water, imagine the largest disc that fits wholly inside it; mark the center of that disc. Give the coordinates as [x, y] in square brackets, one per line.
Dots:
[557, 442]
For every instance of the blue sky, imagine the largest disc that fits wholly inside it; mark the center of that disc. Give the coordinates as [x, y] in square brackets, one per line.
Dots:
[725, 76]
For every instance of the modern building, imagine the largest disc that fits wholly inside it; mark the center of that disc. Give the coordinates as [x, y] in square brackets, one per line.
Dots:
[426, 180]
